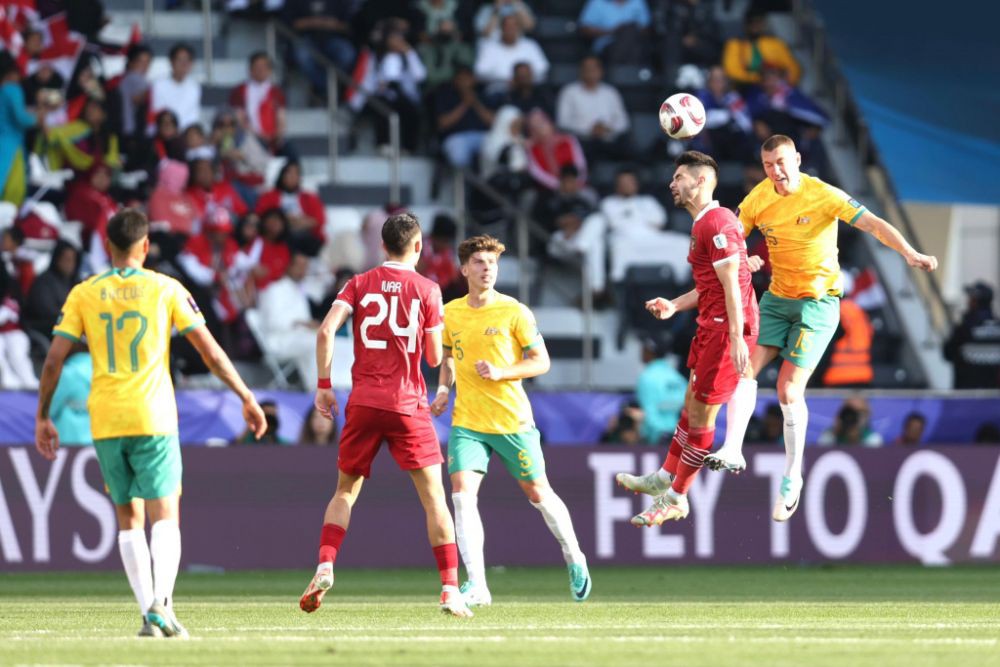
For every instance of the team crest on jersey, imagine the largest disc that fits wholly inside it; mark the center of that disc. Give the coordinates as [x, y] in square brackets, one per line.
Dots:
[720, 241]
[491, 331]
[802, 220]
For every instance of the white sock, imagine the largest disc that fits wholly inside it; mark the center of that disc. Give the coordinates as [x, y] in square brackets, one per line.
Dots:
[796, 420]
[739, 410]
[165, 547]
[557, 518]
[470, 536]
[664, 477]
[135, 559]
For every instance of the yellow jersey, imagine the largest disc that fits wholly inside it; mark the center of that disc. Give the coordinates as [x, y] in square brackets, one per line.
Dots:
[801, 234]
[127, 316]
[498, 333]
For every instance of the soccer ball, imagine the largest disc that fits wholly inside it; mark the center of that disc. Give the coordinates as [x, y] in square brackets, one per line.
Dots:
[682, 116]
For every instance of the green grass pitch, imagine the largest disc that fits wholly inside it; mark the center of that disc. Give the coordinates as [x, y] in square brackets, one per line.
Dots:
[843, 616]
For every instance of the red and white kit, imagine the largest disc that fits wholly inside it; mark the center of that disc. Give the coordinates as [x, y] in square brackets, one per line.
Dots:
[393, 307]
[717, 238]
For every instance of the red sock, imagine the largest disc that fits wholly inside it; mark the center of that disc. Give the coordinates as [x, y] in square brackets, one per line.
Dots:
[447, 559]
[329, 542]
[677, 444]
[693, 457]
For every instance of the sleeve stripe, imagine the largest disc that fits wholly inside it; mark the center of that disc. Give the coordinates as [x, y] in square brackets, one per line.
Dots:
[726, 260]
[186, 330]
[350, 309]
[857, 215]
[536, 343]
[436, 328]
[67, 336]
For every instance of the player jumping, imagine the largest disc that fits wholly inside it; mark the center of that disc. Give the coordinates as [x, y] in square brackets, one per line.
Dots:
[720, 352]
[127, 314]
[397, 319]
[799, 314]
[491, 343]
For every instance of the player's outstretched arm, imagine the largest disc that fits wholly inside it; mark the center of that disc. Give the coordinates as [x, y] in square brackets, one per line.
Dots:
[218, 362]
[46, 435]
[890, 236]
[446, 378]
[664, 309]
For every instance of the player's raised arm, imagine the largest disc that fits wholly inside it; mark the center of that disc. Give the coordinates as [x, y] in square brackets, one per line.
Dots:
[890, 236]
[46, 435]
[219, 364]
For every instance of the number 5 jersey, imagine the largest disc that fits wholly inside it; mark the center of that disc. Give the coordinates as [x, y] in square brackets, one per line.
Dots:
[393, 307]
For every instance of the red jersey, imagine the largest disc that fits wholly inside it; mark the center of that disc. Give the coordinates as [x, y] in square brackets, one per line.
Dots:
[393, 306]
[717, 238]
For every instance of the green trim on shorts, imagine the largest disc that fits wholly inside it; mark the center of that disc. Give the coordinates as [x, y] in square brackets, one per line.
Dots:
[800, 328]
[521, 453]
[142, 466]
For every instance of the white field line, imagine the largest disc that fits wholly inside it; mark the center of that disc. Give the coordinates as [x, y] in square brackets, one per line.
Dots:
[502, 639]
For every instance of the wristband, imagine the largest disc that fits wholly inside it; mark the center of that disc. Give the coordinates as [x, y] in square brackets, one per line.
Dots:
[443, 389]
[323, 383]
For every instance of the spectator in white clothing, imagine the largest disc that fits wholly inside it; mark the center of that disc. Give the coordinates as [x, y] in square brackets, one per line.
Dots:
[400, 73]
[489, 16]
[495, 59]
[630, 214]
[579, 240]
[179, 92]
[594, 112]
[286, 319]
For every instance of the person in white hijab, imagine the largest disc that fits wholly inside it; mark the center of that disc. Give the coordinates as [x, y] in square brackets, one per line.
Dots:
[505, 135]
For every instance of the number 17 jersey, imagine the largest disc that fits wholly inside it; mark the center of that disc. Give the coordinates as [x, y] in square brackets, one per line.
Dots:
[393, 307]
[127, 316]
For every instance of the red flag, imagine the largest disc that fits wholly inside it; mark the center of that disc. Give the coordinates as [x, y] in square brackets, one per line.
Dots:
[61, 47]
[10, 38]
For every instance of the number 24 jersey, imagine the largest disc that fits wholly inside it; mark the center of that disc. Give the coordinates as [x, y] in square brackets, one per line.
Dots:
[393, 307]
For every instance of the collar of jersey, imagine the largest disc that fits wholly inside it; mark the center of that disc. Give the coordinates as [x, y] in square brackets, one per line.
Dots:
[708, 207]
[397, 265]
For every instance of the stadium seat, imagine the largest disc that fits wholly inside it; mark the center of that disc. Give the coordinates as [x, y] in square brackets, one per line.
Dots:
[281, 370]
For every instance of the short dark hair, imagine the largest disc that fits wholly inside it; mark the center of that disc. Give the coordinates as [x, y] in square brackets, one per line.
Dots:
[568, 170]
[627, 169]
[481, 243]
[697, 159]
[135, 51]
[399, 231]
[178, 48]
[775, 140]
[127, 227]
[257, 55]
[915, 415]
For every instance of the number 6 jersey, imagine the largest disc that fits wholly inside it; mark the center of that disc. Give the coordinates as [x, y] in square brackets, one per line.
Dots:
[393, 307]
[127, 316]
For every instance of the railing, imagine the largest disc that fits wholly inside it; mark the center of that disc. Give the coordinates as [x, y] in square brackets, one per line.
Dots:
[525, 230]
[858, 134]
[335, 76]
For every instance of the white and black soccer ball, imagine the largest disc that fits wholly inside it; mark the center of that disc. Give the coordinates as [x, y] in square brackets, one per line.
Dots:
[682, 116]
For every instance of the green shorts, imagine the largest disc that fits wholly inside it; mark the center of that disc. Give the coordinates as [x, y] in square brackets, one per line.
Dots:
[800, 328]
[521, 452]
[141, 466]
